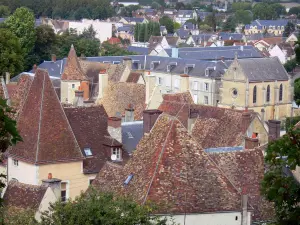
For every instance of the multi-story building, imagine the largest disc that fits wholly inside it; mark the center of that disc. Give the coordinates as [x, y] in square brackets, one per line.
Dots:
[270, 26]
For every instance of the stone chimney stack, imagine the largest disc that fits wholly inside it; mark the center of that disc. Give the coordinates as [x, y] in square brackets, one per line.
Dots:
[149, 118]
[127, 62]
[103, 83]
[129, 114]
[54, 184]
[85, 87]
[246, 120]
[114, 128]
[7, 77]
[78, 100]
[53, 58]
[251, 143]
[184, 84]
[150, 85]
[245, 210]
[274, 130]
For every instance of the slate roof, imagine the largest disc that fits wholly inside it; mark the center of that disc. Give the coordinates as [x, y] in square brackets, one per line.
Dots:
[125, 28]
[134, 19]
[43, 125]
[185, 13]
[132, 133]
[89, 125]
[264, 69]
[72, 70]
[118, 96]
[255, 37]
[287, 48]
[166, 168]
[182, 33]
[189, 26]
[138, 50]
[267, 23]
[172, 41]
[23, 196]
[230, 36]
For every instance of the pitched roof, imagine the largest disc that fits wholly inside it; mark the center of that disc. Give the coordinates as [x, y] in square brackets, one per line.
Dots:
[134, 77]
[118, 96]
[263, 69]
[89, 125]
[132, 133]
[273, 40]
[172, 41]
[43, 125]
[297, 125]
[166, 168]
[72, 70]
[288, 48]
[23, 196]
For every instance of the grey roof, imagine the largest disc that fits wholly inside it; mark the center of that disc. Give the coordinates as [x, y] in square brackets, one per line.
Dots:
[255, 37]
[264, 69]
[186, 13]
[182, 33]
[125, 28]
[132, 133]
[134, 19]
[201, 37]
[189, 25]
[138, 50]
[230, 36]
[267, 23]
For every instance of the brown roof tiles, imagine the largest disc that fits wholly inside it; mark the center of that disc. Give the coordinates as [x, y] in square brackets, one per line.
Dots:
[43, 125]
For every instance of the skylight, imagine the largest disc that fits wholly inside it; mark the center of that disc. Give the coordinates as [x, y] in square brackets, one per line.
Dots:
[130, 176]
[88, 152]
[129, 135]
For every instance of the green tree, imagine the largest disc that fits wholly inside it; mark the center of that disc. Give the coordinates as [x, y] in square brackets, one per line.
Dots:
[288, 29]
[143, 31]
[21, 23]
[205, 28]
[297, 91]
[279, 9]
[89, 33]
[264, 11]
[290, 65]
[243, 16]
[168, 23]
[100, 208]
[176, 26]
[241, 6]
[4, 11]
[11, 54]
[294, 10]
[279, 185]
[211, 21]
[230, 24]
[81, 13]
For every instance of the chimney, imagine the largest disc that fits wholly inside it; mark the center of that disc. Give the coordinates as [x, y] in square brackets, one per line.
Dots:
[262, 111]
[54, 184]
[174, 53]
[53, 58]
[245, 210]
[129, 113]
[85, 87]
[34, 68]
[7, 77]
[78, 100]
[246, 120]
[184, 84]
[150, 85]
[149, 118]
[274, 130]
[114, 128]
[103, 82]
[127, 62]
[251, 143]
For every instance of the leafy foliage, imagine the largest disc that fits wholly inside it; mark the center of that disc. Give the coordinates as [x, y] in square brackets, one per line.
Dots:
[297, 91]
[236, 6]
[11, 54]
[243, 16]
[288, 29]
[143, 31]
[4, 11]
[279, 186]
[290, 65]
[267, 11]
[294, 10]
[168, 23]
[108, 49]
[230, 24]
[100, 208]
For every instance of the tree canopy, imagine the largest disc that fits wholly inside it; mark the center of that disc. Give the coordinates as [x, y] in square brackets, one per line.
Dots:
[268, 11]
[241, 6]
[168, 23]
[279, 185]
[108, 49]
[243, 16]
[297, 91]
[288, 29]
[143, 31]
[4, 11]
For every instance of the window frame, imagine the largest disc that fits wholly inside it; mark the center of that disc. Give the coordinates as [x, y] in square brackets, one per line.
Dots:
[280, 97]
[254, 97]
[268, 94]
[205, 101]
[66, 190]
[90, 152]
[206, 86]
[195, 83]
[118, 154]
[15, 162]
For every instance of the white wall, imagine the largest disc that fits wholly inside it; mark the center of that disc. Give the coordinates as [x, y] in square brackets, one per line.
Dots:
[276, 51]
[103, 29]
[48, 198]
[24, 172]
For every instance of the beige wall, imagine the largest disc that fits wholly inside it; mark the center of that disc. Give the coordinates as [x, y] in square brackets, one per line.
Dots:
[68, 172]
[257, 126]
[48, 198]
[67, 92]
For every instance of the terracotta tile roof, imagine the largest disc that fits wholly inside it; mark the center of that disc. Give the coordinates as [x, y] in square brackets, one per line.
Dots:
[23, 196]
[172, 170]
[273, 40]
[72, 70]
[246, 170]
[288, 48]
[183, 97]
[89, 125]
[134, 77]
[118, 96]
[43, 125]
[114, 40]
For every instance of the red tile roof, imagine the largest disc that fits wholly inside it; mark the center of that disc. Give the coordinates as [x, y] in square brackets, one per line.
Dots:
[114, 40]
[72, 70]
[171, 169]
[43, 125]
[134, 77]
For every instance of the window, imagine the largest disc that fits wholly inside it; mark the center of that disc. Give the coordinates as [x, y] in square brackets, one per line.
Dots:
[206, 100]
[73, 86]
[88, 152]
[254, 94]
[195, 86]
[280, 92]
[91, 180]
[234, 93]
[268, 94]
[116, 62]
[195, 97]
[159, 80]
[116, 154]
[176, 85]
[63, 188]
[206, 86]
[16, 162]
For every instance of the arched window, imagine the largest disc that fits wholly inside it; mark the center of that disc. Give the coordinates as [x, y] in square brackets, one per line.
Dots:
[254, 94]
[280, 92]
[268, 93]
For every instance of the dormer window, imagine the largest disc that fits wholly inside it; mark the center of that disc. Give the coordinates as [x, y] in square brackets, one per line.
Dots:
[116, 154]
[88, 152]
[116, 62]
[209, 70]
[154, 64]
[107, 62]
[188, 68]
[136, 65]
[171, 66]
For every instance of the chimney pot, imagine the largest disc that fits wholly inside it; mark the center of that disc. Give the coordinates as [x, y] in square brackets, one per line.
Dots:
[274, 130]
[49, 176]
[103, 71]
[34, 68]
[53, 58]
[114, 122]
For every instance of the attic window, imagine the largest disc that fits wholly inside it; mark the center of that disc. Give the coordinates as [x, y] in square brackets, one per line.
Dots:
[87, 152]
[154, 64]
[116, 62]
[128, 179]
[116, 154]
[171, 66]
[208, 71]
[188, 68]
[107, 62]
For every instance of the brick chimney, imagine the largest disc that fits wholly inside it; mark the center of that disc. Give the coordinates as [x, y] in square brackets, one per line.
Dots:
[85, 87]
[103, 82]
[78, 100]
[184, 84]
[54, 184]
[114, 128]
[53, 58]
[274, 130]
[127, 62]
[246, 120]
[149, 118]
[7, 78]
[129, 114]
[251, 143]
